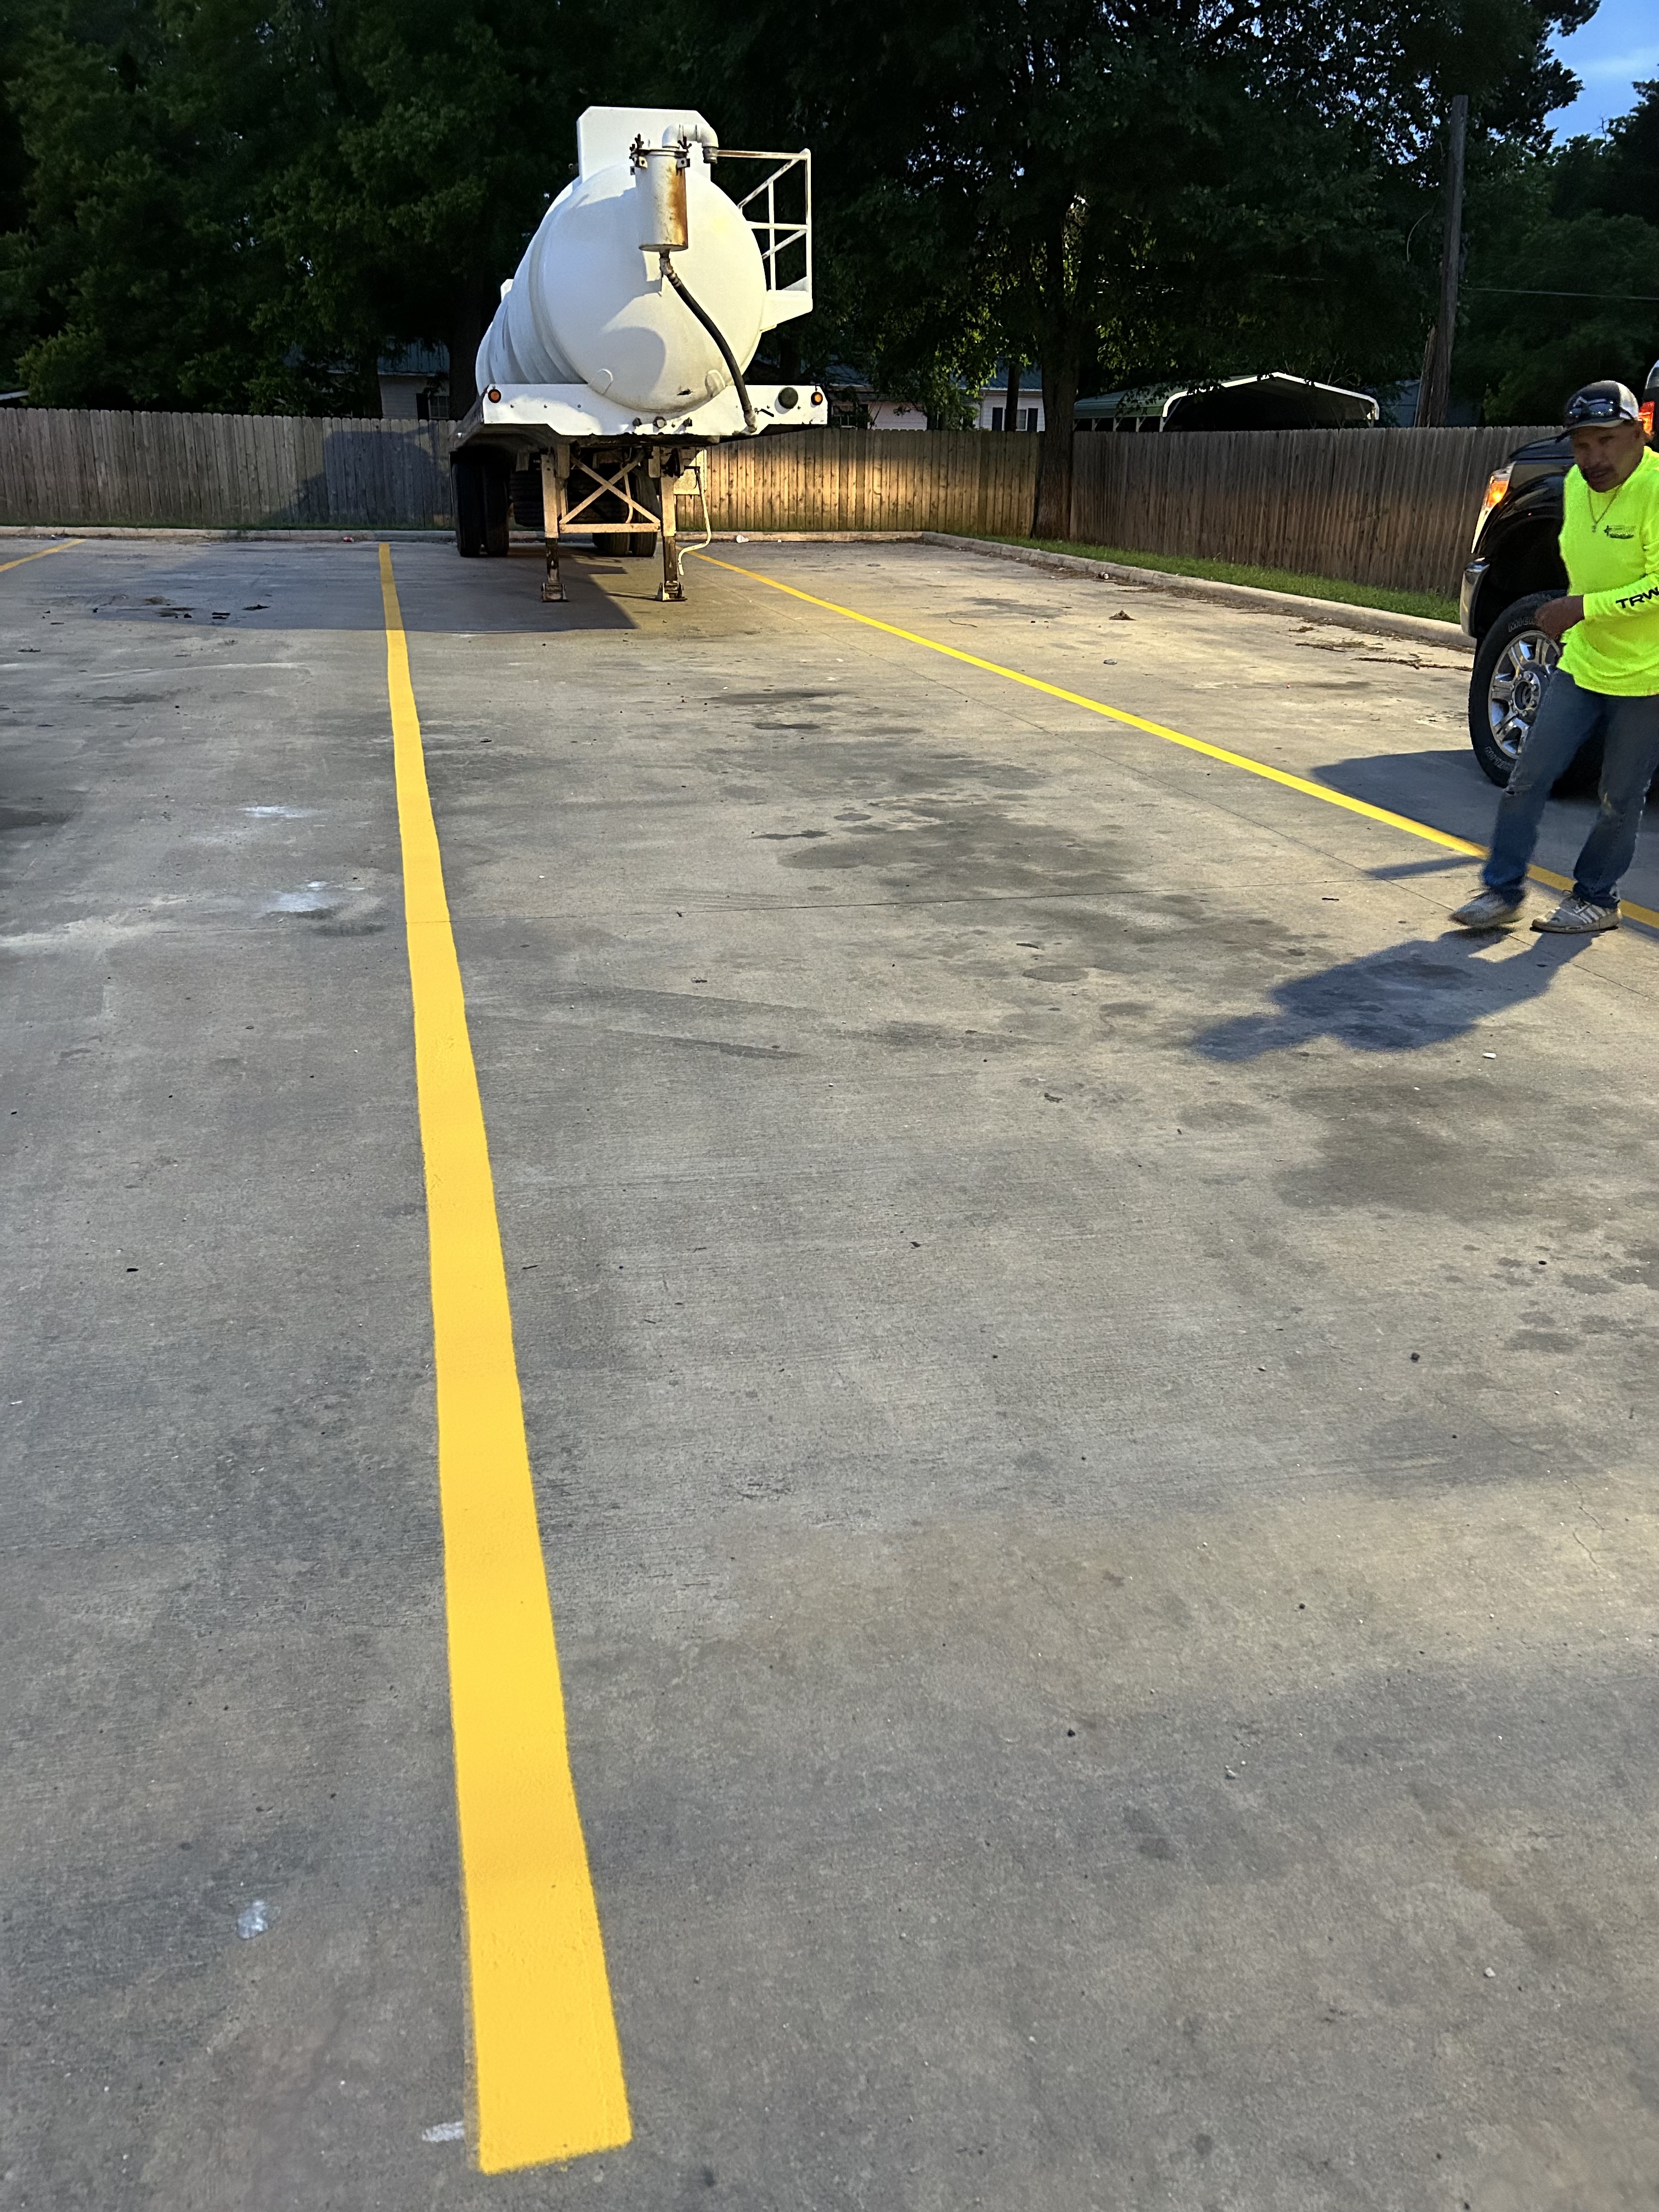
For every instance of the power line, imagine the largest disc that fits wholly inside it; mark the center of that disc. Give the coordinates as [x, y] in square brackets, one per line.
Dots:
[1533, 292]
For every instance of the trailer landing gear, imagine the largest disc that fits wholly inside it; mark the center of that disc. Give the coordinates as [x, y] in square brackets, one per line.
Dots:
[552, 505]
[664, 489]
[620, 484]
[671, 586]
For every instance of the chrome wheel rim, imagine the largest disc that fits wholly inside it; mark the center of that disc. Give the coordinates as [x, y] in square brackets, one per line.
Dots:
[1517, 690]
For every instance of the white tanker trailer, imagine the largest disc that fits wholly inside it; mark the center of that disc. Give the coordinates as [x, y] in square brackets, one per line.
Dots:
[617, 353]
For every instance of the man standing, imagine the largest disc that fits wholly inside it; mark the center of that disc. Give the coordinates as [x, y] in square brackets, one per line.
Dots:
[1606, 680]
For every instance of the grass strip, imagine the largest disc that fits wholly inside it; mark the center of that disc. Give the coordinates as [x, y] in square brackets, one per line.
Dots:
[1432, 604]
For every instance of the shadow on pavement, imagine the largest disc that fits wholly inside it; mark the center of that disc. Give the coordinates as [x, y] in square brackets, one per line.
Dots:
[259, 587]
[446, 594]
[1444, 788]
[1406, 871]
[1421, 993]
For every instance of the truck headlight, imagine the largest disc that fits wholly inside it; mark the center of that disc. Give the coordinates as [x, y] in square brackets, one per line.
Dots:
[1497, 488]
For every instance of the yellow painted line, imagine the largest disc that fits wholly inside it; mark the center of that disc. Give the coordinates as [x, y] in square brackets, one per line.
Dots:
[63, 547]
[545, 2069]
[1413, 829]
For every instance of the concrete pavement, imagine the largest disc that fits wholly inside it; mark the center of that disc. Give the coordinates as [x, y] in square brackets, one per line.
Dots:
[1088, 1370]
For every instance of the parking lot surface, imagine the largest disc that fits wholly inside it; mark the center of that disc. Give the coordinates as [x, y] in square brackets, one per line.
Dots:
[1088, 1368]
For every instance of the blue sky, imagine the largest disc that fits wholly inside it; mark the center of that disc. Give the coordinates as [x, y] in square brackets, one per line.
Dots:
[1619, 44]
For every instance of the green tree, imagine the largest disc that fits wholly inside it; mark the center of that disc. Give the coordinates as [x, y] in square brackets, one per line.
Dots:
[1219, 189]
[17, 317]
[1563, 278]
[1123, 188]
[441, 132]
[225, 203]
[139, 273]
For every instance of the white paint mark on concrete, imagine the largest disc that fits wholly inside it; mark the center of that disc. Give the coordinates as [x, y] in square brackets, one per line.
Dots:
[445, 2131]
[94, 931]
[253, 1920]
[314, 899]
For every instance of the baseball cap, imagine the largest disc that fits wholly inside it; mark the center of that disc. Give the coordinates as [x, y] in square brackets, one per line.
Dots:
[1607, 401]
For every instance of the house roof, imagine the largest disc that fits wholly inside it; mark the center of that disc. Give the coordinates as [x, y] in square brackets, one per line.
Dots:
[1275, 399]
[413, 360]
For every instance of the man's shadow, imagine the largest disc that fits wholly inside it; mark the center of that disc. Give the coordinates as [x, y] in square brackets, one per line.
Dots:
[1422, 993]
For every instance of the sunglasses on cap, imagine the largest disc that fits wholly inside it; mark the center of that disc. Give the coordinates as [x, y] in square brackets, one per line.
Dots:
[1607, 405]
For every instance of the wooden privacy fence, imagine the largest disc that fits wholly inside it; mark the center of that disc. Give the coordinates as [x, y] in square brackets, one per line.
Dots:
[1393, 507]
[977, 484]
[221, 472]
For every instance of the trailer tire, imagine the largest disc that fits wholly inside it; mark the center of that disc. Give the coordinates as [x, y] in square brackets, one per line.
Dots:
[611, 544]
[498, 510]
[482, 485]
[526, 488]
[641, 544]
[466, 482]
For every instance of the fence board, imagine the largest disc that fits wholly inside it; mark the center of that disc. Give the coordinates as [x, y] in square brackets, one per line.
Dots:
[1388, 508]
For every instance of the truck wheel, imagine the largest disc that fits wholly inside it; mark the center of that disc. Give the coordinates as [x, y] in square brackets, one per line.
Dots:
[1506, 689]
[641, 544]
[611, 544]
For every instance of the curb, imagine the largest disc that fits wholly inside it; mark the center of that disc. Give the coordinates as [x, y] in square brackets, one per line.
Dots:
[1335, 613]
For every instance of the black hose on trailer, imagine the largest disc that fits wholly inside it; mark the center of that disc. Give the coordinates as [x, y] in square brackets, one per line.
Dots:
[715, 332]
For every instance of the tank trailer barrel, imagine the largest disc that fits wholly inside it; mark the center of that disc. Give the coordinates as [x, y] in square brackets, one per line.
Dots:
[619, 350]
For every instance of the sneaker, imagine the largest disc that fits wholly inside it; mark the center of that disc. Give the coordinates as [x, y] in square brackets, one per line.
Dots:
[1489, 909]
[1576, 917]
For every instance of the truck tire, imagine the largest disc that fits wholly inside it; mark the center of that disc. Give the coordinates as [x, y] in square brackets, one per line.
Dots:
[480, 485]
[611, 544]
[1506, 687]
[641, 544]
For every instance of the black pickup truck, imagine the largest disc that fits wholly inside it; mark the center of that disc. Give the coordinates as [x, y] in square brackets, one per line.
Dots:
[1514, 565]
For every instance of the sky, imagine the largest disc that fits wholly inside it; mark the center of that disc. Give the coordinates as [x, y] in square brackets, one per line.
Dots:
[1619, 44]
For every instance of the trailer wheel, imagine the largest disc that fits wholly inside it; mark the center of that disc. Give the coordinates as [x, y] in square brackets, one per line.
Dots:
[612, 545]
[481, 485]
[497, 507]
[526, 486]
[466, 481]
[641, 544]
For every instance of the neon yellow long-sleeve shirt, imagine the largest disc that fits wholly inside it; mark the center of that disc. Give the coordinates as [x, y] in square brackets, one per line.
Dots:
[1610, 544]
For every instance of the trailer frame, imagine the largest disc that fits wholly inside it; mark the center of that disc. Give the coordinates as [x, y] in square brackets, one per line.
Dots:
[603, 469]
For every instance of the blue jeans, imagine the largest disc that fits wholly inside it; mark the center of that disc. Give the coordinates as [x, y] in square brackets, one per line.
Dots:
[1630, 757]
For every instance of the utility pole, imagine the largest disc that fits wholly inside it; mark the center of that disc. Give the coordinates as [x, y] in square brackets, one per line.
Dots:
[1435, 390]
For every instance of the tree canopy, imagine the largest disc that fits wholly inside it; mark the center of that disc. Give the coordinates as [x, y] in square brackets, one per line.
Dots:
[239, 204]
[1564, 271]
